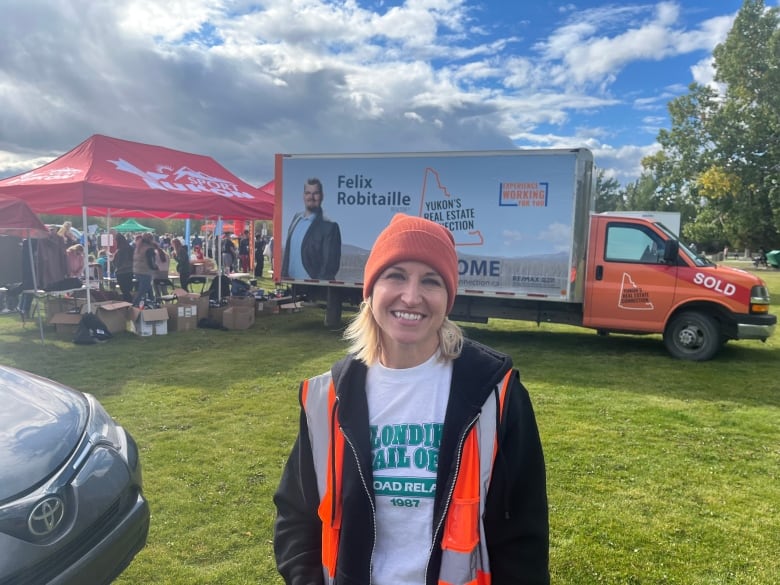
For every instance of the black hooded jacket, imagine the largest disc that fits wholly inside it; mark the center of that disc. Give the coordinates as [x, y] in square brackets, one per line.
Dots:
[516, 515]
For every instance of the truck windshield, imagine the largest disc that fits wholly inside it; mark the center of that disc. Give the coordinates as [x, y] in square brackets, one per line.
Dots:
[685, 250]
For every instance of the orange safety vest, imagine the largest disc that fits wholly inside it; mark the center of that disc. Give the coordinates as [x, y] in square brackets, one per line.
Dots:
[464, 550]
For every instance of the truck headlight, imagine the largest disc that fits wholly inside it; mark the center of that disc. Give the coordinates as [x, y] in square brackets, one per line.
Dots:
[759, 300]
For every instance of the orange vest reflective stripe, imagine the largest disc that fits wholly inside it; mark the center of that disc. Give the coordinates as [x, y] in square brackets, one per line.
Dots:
[464, 549]
[318, 396]
[464, 552]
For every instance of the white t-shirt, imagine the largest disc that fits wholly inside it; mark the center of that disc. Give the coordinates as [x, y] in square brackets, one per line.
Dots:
[406, 411]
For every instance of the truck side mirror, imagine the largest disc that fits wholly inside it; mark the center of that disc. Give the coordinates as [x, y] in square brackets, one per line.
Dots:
[671, 251]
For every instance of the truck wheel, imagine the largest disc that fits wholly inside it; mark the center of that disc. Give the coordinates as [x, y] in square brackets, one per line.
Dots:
[692, 336]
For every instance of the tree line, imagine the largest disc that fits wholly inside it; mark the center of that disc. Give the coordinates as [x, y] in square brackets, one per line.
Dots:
[719, 162]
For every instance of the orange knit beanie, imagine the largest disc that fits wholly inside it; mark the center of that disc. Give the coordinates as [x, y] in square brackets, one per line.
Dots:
[414, 238]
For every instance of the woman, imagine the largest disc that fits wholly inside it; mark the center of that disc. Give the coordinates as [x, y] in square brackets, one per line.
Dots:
[418, 459]
[144, 267]
[182, 256]
[75, 259]
[123, 267]
[67, 235]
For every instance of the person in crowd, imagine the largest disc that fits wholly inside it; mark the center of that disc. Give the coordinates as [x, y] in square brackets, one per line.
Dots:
[67, 234]
[243, 252]
[228, 253]
[163, 261]
[102, 260]
[75, 258]
[123, 267]
[165, 243]
[197, 254]
[268, 251]
[313, 246]
[144, 267]
[182, 256]
[418, 458]
[259, 255]
[92, 245]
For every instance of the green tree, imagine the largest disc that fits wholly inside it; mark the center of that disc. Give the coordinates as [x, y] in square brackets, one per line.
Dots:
[685, 148]
[720, 160]
[609, 196]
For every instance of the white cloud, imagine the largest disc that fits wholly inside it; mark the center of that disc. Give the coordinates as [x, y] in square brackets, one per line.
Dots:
[623, 163]
[241, 80]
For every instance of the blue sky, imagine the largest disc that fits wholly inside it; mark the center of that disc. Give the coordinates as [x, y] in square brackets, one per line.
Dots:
[241, 80]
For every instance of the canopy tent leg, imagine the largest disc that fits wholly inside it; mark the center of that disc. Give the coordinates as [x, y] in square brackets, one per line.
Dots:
[35, 284]
[85, 235]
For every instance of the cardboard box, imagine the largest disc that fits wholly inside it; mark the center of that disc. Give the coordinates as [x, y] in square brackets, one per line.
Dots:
[272, 306]
[160, 327]
[267, 307]
[65, 324]
[61, 304]
[142, 322]
[247, 301]
[216, 313]
[182, 316]
[238, 318]
[140, 327]
[114, 314]
[203, 305]
[183, 294]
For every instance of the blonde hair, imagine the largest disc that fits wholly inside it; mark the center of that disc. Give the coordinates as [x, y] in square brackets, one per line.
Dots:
[365, 338]
[65, 229]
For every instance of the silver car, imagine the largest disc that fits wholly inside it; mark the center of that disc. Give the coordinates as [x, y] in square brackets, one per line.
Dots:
[72, 508]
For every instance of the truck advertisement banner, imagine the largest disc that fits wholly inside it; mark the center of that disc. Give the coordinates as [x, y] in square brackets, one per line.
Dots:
[511, 213]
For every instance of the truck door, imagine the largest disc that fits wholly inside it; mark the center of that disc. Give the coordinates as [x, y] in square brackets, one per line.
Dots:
[628, 287]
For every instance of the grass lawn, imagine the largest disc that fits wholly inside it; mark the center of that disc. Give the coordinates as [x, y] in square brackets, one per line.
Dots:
[659, 471]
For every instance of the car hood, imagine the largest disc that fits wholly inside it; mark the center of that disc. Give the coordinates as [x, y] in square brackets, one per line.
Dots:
[41, 423]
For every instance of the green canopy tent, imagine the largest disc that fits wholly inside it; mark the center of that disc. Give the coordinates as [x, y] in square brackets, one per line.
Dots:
[131, 225]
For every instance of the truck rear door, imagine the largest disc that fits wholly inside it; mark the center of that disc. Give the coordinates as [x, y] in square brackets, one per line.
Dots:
[628, 285]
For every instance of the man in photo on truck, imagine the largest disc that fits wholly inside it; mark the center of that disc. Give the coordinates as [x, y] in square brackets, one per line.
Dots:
[313, 245]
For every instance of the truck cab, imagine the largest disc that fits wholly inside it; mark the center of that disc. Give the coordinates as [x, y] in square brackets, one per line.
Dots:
[640, 279]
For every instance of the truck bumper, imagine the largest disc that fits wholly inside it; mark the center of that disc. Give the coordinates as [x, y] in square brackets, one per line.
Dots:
[756, 327]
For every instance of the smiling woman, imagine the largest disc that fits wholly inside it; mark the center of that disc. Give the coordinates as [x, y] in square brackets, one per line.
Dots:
[424, 413]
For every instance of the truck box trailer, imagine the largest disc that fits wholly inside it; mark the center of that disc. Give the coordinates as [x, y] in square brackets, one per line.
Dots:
[529, 244]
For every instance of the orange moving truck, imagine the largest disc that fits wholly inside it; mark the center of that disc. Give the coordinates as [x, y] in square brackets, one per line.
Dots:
[530, 246]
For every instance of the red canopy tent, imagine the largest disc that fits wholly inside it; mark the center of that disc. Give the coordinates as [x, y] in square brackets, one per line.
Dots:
[17, 219]
[108, 176]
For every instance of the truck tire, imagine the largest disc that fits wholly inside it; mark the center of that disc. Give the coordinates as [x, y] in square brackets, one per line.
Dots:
[693, 336]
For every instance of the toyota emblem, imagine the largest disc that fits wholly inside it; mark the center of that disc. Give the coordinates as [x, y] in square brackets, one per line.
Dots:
[46, 516]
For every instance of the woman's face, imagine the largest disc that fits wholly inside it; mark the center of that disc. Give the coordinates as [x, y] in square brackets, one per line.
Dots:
[409, 303]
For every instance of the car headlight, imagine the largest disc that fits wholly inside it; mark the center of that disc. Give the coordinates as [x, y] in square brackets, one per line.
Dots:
[102, 430]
